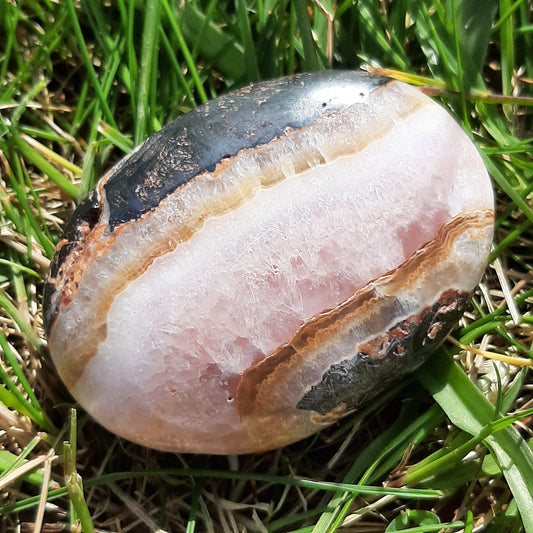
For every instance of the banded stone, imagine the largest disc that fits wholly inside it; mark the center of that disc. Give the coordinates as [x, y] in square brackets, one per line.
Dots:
[268, 263]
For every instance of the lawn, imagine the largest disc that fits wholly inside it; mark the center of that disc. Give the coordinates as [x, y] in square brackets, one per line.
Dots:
[82, 83]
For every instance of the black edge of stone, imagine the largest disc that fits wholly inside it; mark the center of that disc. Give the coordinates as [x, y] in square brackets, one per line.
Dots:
[356, 381]
[50, 306]
[88, 212]
[220, 129]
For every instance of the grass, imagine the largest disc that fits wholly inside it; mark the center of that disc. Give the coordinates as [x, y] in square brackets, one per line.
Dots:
[81, 83]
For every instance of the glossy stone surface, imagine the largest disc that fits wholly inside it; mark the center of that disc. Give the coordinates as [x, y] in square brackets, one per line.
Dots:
[269, 262]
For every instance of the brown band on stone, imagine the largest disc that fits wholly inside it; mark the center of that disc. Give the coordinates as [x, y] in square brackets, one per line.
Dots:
[263, 384]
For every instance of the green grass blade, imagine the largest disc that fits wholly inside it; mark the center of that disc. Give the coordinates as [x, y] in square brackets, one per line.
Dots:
[507, 46]
[468, 409]
[17, 317]
[504, 184]
[250, 57]
[473, 29]
[10, 461]
[13, 363]
[309, 59]
[88, 63]
[408, 494]
[46, 168]
[212, 43]
[147, 72]
[381, 454]
[73, 480]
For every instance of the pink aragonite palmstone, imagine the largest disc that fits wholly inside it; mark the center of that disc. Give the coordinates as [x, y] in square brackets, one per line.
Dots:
[266, 264]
